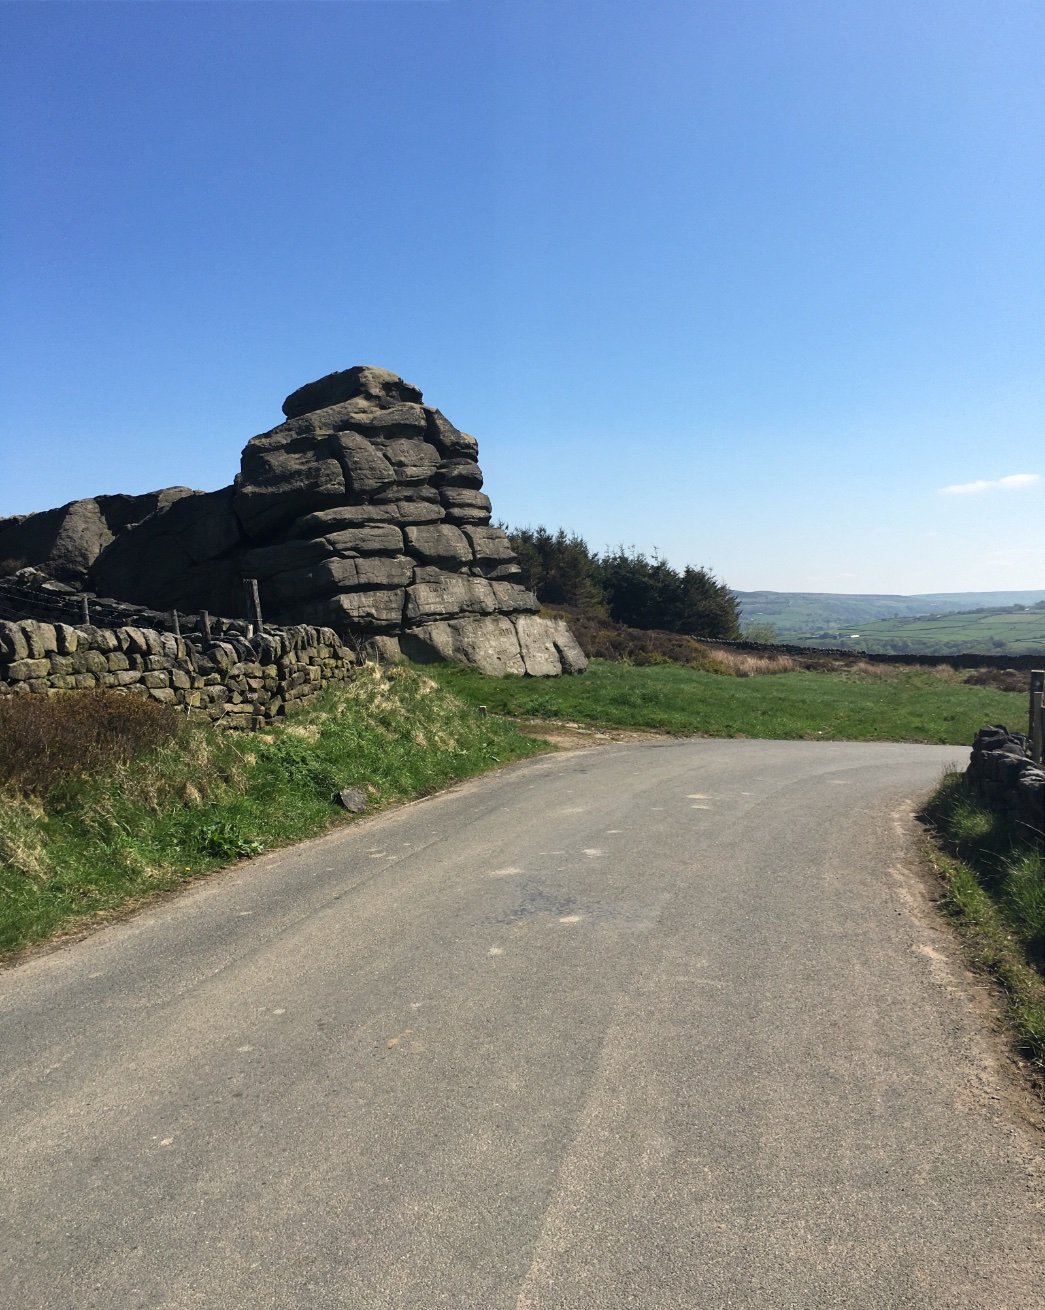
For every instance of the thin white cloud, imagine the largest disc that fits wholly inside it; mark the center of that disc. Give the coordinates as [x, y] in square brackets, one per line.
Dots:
[1014, 482]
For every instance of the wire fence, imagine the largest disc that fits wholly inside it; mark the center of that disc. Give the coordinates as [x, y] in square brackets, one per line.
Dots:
[21, 601]
[18, 601]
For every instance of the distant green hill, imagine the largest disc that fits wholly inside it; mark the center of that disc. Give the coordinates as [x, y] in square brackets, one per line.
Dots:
[934, 623]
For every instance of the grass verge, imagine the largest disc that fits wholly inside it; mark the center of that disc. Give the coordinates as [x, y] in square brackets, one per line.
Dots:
[887, 704]
[994, 888]
[92, 839]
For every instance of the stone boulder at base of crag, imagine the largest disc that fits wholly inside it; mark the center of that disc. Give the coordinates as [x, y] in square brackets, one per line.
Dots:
[363, 512]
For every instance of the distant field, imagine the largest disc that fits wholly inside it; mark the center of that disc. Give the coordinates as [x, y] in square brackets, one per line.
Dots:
[803, 613]
[984, 631]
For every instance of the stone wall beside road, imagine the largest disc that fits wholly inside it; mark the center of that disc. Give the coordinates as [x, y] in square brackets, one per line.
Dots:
[1002, 774]
[235, 679]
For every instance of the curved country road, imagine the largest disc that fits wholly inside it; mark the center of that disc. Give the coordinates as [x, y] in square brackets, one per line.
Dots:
[663, 1025]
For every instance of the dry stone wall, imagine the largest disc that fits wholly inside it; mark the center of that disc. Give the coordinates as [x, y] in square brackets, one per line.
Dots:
[234, 679]
[1002, 774]
[968, 660]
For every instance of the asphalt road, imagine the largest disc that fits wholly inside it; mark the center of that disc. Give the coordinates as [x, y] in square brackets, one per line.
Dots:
[664, 1025]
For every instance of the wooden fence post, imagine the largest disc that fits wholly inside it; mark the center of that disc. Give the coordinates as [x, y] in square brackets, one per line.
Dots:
[205, 626]
[86, 611]
[252, 603]
[1036, 730]
[173, 625]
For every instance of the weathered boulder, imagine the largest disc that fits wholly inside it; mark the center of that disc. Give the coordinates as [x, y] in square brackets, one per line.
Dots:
[498, 645]
[362, 512]
[375, 384]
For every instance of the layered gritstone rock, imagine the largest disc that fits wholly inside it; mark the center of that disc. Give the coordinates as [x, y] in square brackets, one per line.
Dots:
[363, 512]
[375, 523]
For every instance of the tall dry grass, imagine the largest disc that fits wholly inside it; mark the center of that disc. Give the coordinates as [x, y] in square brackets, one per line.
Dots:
[748, 664]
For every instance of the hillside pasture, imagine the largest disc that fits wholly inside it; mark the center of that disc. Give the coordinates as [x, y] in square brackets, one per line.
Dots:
[988, 631]
[894, 704]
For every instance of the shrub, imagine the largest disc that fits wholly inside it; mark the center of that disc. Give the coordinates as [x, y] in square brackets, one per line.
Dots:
[626, 585]
[601, 639]
[45, 740]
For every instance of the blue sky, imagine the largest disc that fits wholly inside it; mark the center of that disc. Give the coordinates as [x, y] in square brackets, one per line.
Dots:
[748, 283]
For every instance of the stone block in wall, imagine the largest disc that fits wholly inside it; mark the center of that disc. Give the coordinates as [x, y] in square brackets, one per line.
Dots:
[153, 645]
[1009, 770]
[68, 638]
[171, 646]
[40, 638]
[63, 664]
[118, 662]
[165, 695]
[13, 645]
[155, 680]
[222, 655]
[133, 639]
[1030, 801]
[23, 670]
[91, 661]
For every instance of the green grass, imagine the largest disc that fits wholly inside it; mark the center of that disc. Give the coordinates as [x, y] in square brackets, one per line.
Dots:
[88, 845]
[995, 889]
[884, 705]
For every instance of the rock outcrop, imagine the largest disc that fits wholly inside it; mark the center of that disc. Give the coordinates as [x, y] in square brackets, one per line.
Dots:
[362, 512]
[65, 542]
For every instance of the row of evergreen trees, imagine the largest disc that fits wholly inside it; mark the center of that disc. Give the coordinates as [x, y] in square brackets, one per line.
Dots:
[624, 585]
